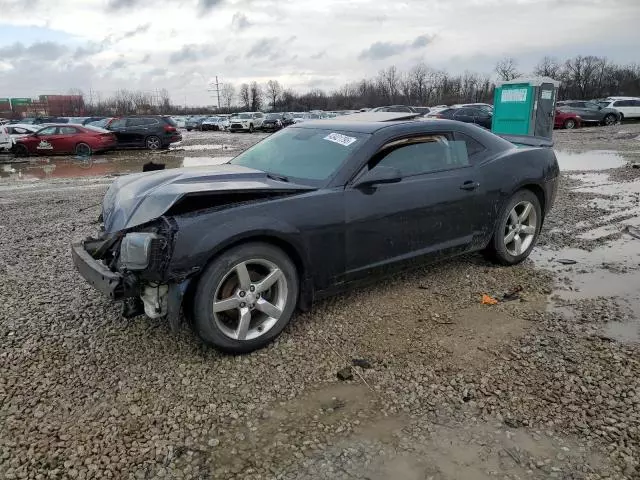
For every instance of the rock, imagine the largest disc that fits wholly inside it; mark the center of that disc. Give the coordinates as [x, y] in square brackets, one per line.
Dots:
[345, 374]
[361, 362]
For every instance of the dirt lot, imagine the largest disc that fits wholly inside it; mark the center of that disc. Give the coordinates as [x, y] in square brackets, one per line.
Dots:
[544, 386]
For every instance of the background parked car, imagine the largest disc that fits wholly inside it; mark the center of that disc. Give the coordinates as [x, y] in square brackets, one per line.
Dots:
[181, 122]
[246, 121]
[194, 123]
[566, 119]
[276, 121]
[629, 107]
[5, 139]
[468, 115]
[591, 112]
[64, 139]
[212, 123]
[19, 130]
[152, 131]
[101, 123]
[395, 108]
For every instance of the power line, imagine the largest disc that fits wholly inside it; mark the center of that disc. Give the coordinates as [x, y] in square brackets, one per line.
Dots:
[217, 89]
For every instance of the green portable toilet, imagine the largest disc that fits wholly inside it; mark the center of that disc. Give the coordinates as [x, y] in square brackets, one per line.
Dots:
[525, 107]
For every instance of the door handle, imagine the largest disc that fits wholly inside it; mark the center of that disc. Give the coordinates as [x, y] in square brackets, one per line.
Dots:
[469, 185]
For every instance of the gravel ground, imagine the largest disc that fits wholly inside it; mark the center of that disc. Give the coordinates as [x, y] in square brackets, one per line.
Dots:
[547, 386]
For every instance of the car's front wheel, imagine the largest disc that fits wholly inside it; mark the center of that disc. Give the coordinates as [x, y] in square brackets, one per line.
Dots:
[609, 119]
[251, 128]
[20, 150]
[517, 229]
[569, 124]
[245, 298]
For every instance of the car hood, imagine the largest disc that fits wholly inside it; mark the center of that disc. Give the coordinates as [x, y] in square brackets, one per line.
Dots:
[133, 200]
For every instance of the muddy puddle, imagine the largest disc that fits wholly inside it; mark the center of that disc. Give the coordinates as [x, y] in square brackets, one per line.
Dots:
[100, 165]
[592, 160]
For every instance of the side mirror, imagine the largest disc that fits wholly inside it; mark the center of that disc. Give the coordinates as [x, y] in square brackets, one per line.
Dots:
[378, 175]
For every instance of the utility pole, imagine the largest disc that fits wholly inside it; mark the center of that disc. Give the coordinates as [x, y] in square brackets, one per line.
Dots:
[217, 89]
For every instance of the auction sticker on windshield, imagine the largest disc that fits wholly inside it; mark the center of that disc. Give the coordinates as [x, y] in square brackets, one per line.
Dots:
[341, 139]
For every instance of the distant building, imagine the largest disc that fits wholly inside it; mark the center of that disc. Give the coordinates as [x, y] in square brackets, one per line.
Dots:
[45, 105]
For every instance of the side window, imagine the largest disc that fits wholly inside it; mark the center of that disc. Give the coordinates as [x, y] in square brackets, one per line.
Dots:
[592, 106]
[473, 146]
[118, 123]
[68, 130]
[635, 103]
[150, 121]
[576, 104]
[48, 131]
[426, 155]
[135, 122]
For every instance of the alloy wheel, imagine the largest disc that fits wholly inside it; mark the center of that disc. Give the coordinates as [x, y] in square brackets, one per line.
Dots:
[250, 299]
[520, 228]
[609, 120]
[153, 143]
[569, 124]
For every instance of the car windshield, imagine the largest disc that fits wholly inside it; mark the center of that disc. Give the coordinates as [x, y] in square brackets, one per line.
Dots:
[305, 154]
[245, 115]
[274, 116]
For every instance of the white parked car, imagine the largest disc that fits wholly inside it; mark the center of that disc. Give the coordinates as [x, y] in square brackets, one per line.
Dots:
[181, 122]
[629, 107]
[246, 122]
[5, 139]
[16, 131]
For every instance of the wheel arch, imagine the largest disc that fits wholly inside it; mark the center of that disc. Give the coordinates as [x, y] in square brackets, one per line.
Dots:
[293, 251]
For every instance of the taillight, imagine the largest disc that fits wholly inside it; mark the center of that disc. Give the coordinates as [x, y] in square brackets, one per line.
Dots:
[169, 129]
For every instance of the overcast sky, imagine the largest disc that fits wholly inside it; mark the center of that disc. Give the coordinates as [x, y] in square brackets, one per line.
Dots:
[49, 46]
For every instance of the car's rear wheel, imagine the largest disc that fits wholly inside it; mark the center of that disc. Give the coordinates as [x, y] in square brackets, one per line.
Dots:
[517, 229]
[609, 119]
[245, 298]
[569, 124]
[83, 150]
[251, 128]
[154, 143]
[20, 150]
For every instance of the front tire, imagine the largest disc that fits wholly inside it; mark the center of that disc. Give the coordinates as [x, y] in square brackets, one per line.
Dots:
[245, 298]
[516, 230]
[569, 124]
[251, 128]
[609, 119]
[20, 150]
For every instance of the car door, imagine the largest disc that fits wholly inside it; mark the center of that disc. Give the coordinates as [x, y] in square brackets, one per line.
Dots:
[258, 119]
[45, 140]
[482, 117]
[137, 130]
[595, 111]
[119, 128]
[66, 139]
[465, 115]
[431, 212]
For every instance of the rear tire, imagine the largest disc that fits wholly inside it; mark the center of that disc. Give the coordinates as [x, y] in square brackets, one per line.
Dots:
[251, 128]
[83, 150]
[266, 309]
[153, 142]
[569, 124]
[609, 119]
[516, 230]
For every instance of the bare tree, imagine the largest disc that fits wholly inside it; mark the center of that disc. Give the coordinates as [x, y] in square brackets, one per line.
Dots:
[419, 76]
[255, 96]
[547, 67]
[165, 101]
[245, 96]
[507, 69]
[228, 93]
[274, 90]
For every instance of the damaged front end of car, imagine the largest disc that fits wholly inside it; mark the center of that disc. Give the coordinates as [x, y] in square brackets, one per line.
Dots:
[131, 266]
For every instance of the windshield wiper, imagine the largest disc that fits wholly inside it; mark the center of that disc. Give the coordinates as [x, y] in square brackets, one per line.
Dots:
[273, 176]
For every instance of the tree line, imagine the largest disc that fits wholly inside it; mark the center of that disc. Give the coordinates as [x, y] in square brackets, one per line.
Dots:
[582, 77]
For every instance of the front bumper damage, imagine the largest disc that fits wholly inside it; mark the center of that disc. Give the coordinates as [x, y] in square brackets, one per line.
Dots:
[155, 299]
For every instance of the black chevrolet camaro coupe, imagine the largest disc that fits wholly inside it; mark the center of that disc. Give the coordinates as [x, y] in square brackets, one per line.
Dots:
[307, 212]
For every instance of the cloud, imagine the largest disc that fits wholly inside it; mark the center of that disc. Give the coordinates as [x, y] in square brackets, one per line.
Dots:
[240, 21]
[156, 72]
[136, 31]
[118, 64]
[90, 49]
[38, 50]
[208, 5]
[265, 47]
[191, 53]
[318, 55]
[381, 50]
[115, 5]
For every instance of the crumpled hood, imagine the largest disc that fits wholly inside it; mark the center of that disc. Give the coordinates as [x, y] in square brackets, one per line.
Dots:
[135, 199]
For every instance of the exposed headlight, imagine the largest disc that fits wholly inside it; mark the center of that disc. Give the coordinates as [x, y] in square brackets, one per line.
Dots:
[135, 250]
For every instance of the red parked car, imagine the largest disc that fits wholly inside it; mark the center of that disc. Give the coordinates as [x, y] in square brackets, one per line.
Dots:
[65, 138]
[566, 119]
